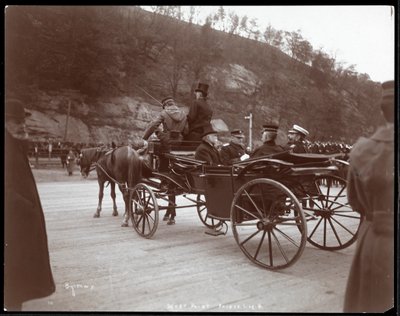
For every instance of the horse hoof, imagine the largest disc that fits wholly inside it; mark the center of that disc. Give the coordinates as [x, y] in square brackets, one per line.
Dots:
[115, 214]
[124, 225]
[96, 215]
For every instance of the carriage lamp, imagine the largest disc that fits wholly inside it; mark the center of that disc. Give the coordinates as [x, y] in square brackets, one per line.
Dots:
[250, 118]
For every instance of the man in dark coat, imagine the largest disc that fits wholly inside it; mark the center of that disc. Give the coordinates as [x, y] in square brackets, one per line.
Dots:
[296, 137]
[235, 150]
[173, 121]
[200, 113]
[269, 133]
[370, 192]
[27, 271]
[206, 151]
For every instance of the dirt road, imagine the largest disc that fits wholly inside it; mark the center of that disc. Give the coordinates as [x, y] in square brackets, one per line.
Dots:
[100, 266]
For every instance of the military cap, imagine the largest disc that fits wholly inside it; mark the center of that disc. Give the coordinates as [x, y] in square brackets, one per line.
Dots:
[272, 128]
[237, 133]
[298, 130]
[165, 101]
[15, 109]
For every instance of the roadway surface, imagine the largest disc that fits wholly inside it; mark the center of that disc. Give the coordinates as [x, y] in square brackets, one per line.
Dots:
[100, 266]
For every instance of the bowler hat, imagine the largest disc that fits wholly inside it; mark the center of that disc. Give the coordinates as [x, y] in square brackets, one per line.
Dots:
[166, 100]
[298, 130]
[237, 133]
[15, 109]
[208, 130]
[202, 87]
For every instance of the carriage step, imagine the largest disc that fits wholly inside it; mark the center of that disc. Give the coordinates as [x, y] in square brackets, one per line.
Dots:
[214, 232]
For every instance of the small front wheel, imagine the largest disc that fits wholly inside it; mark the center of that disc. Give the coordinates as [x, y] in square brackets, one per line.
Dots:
[143, 210]
[268, 224]
[203, 214]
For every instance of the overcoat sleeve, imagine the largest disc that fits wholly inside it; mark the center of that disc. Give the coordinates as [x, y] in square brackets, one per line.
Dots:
[153, 126]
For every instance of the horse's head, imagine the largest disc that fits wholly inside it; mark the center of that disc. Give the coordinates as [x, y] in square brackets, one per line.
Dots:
[86, 158]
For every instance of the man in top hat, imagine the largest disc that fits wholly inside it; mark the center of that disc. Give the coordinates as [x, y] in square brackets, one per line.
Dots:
[27, 271]
[370, 191]
[296, 139]
[200, 113]
[268, 136]
[173, 120]
[235, 150]
[206, 151]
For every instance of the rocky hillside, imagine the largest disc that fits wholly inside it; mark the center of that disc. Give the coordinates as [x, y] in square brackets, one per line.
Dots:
[92, 71]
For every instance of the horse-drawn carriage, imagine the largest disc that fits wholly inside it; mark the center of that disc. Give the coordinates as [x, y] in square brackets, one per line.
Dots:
[275, 204]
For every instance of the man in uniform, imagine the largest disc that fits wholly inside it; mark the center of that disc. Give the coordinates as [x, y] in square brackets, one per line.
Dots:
[206, 151]
[268, 136]
[27, 270]
[370, 191]
[296, 139]
[200, 113]
[173, 120]
[235, 150]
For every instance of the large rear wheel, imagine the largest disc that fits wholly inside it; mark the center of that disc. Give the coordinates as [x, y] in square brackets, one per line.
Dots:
[143, 210]
[332, 223]
[268, 224]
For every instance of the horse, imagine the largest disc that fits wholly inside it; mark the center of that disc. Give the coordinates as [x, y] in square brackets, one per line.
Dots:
[125, 167]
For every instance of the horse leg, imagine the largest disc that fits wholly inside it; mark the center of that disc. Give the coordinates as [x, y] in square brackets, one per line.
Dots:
[171, 209]
[113, 195]
[125, 194]
[101, 194]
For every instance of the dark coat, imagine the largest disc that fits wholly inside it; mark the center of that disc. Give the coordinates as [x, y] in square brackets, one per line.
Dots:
[231, 153]
[267, 148]
[370, 192]
[199, 116]
[27, 271]
[208, 153]
[298, 147]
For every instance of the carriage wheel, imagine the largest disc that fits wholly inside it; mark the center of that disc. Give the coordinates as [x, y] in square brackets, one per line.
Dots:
[143, 209]
[268, 224]
[203, 214]
[332, 223]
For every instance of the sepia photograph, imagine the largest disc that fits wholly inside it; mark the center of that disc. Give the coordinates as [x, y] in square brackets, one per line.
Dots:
[202, 159]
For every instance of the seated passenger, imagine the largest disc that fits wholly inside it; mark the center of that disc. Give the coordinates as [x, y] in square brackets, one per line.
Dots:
[235, 150]
[200, 113]
[268, 136]
[173, 120]
[296, 139]
[206, 151]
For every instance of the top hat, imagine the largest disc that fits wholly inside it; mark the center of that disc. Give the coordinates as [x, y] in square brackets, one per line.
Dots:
[298, 130]
[15, 109]
[202, 87]
[237, 133]
[165, 101]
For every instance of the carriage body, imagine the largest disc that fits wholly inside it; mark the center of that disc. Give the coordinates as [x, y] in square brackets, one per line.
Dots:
[275, 204]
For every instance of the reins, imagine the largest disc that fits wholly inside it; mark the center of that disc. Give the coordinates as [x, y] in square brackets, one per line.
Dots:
[102, 169]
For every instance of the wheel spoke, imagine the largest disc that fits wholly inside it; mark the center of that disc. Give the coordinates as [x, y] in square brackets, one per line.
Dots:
[271, 261]
[246, 224]
[324, 232]
[249, 213]
[248, 238]
[280, 247]
[287, 237]
[338, 195]
[315, 228]
[259, 245]
[334, 231]
[252, 201]
[347, 216]
[341, 225]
